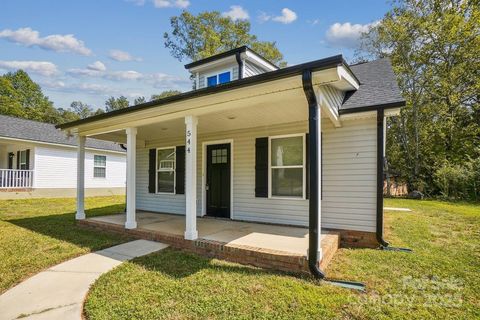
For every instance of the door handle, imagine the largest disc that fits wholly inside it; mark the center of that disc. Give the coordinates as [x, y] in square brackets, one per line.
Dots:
[207, 187]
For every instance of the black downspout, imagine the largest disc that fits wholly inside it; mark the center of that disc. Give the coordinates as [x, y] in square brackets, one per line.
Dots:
[124, 148]
[380, 159]
[313, 156]
[313, 118]
[384, 245]
[240, 65]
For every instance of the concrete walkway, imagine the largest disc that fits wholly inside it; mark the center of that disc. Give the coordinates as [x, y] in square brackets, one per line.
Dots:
[58, 292]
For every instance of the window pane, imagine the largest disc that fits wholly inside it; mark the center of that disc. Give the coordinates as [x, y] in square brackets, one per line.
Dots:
[166, 159]
[100, 161]
[165, 181]
[224, 77]
[287, 182]
[212, 81]
[23, 156]
[99, 172]
[287, 151]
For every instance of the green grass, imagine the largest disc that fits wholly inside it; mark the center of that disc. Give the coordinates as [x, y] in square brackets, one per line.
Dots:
[438, 281]
[38, 233]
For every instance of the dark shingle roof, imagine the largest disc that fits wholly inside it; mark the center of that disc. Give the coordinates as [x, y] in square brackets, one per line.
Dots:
[17, 128]
[378, 86]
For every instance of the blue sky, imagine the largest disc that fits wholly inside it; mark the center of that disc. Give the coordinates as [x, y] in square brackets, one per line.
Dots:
[89, 50]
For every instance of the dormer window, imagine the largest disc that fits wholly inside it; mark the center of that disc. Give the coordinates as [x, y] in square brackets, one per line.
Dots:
[228, 66]
[220, 78]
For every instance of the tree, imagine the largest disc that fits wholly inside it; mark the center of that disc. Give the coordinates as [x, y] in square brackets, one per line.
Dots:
[433, 46]
[83, 110]
[139, 100]
[116, 103]
[21, 97]
[209, 33]
[164, 94]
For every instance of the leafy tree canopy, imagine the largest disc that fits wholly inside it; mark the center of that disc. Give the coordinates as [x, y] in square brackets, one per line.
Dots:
[116, 103]
[433, 46]
[196, 37]
[164, 94]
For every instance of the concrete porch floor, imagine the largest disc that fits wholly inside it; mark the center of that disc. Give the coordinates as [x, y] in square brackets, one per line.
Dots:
[266, 243]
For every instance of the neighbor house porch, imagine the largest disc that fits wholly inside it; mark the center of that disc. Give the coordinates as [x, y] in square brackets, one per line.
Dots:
[16, 166]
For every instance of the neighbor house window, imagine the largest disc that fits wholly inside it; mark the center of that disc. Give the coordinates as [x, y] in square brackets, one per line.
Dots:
[287, 166]
[166, 170]
[99, 166]
[23, 160]
[220, 78]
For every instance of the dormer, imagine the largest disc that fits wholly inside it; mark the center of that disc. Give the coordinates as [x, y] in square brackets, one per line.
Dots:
[228, 66]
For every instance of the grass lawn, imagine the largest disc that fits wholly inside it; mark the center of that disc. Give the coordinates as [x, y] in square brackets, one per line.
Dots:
[438, 281]
[38, 233]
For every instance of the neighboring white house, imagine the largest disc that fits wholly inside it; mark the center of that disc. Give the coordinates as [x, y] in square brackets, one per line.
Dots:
[302, 145]
[37, 160]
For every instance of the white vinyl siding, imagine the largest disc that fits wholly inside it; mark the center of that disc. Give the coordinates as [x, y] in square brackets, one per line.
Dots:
[349, 173]
[56, 167]
[252, 69]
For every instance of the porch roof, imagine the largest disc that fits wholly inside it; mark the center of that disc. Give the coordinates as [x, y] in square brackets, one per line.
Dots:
[362, 96]
[35, 131]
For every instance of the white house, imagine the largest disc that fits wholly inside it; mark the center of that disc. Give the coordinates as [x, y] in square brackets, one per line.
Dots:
[301, 146]
[37, 160]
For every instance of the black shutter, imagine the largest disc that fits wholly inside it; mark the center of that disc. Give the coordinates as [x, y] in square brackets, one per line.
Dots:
[307, 164]
[180, 170]
[18, 159]
[261, 167]
[27, 157]
[152, 155]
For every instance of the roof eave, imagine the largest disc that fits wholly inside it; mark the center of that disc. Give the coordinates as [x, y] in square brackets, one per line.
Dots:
[316, 65]
[390, 105]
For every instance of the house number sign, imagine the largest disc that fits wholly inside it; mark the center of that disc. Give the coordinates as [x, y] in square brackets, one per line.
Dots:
[189, 143]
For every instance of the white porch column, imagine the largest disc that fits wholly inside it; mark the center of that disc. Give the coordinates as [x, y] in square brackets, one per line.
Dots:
[191, 232]
[131, 222]
[80, 215]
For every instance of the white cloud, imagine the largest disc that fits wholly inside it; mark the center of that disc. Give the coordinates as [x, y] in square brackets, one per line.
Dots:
[119, 55]
[313, 22]
[124, 75]
[54, 42]
[97, 66]
[171, 3]
[236, 13]
[347, 35]
[43, 68]
[288, 16]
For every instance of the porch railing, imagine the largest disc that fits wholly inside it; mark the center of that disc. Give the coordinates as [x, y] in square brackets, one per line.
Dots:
[16, 179]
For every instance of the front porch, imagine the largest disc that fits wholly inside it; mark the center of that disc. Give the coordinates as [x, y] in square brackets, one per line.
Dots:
[262, 245]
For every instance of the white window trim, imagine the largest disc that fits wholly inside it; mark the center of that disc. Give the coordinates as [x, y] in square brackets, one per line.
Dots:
[174, 170]
[20, 163]
[94, 166]
[217, 73]
[304, 166]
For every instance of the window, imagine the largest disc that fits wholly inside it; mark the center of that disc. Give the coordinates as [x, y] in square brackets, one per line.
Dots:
[23, 160]
[219, 156]
[287, 166]
[99, 166]
[166, 170]
[220, 78]
[224, 77]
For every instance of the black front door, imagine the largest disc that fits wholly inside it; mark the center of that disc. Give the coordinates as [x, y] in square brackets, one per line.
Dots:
[218, 180]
